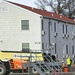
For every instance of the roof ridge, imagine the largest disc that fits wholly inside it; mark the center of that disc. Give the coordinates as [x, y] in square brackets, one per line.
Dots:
[44, 12]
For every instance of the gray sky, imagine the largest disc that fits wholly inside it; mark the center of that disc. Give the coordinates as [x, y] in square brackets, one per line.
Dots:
[25, 2]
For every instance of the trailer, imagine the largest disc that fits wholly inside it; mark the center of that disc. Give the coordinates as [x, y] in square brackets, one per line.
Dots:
[10, 63]
[13, 61]
[40, 62]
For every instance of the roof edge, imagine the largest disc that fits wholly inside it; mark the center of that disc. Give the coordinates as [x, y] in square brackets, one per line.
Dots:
[43, 12]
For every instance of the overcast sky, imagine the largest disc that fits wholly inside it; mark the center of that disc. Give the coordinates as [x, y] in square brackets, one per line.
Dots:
[25, 2]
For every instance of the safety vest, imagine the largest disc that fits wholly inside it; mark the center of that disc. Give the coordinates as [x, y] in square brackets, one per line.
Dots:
[68, 61]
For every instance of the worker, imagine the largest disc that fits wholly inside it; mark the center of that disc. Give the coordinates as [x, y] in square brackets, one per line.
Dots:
[62, 65]
[68, 62]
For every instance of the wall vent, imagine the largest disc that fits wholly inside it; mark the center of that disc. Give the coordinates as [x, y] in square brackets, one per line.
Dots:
[67, 36]
[43, 32]
[64, 35]
[55, 34]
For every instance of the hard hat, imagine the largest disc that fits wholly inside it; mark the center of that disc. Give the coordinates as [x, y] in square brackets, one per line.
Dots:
[62, 61]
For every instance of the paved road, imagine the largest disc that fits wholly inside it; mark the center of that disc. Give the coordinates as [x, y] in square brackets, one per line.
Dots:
[67, 73]
[19, 74]
[63, 73]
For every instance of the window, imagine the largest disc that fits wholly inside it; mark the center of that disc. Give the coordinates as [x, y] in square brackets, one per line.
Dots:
[25, 24]
[51, 26]
[49, 32]
[66, 29]
[66, 49]
[47, 47]
[42, 45]
[25, 47]
[3, 9]
[73, 30]
[63, 28]
[55, 49]
[72, 49]
[42, 25]
[54, 27]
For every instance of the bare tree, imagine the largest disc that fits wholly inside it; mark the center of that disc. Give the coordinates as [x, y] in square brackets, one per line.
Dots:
[64, 7]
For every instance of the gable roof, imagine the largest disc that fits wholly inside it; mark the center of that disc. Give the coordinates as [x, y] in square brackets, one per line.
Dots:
[45, 13]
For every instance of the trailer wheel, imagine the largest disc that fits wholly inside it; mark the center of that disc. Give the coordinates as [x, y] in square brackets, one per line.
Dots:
[7, 73]
[2, 69]
[34, 71]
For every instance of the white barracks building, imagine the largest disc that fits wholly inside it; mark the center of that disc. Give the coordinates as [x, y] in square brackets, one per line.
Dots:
[23, 28]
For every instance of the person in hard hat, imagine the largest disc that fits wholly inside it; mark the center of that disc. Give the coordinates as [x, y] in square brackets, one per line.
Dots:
[62, 65]
[68, 62]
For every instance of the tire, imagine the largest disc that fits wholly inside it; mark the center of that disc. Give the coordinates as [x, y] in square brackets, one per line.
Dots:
[34, 71]
[2, 69]
[7, 73]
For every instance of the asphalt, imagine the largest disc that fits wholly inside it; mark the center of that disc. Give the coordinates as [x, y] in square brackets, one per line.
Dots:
[63, 73]
[72, 72]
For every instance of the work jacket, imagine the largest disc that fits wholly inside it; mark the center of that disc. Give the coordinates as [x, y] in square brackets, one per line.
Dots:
[68, 62]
